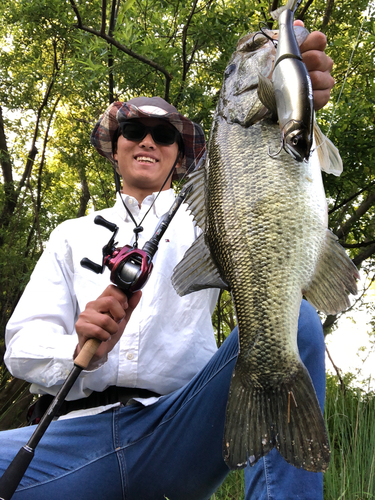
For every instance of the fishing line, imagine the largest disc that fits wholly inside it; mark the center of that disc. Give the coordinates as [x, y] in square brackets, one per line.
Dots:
[346, 75]
[342, 88]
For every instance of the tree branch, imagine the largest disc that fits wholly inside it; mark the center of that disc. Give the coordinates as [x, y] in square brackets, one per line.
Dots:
[85, 193]
[362, 209]
[125, 49]
[337, 370]
[351, 198]
[112, 20]
[6, 167]
[327, 14]
[364, 255]
[184, 38]
[45, 141]
[266, 19]
[302, 14]
[104, 16]
[79, 20]
[332, 318]
[111, 28]
[185, 63]
[358, 245]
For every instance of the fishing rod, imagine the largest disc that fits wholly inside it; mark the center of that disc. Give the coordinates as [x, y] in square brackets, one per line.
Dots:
[130, 269]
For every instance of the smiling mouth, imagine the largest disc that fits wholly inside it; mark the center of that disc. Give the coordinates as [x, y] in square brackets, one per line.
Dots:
[145, 159]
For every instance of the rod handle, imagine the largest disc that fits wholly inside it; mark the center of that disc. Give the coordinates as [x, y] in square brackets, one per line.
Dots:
[87, 352]
[14, 473]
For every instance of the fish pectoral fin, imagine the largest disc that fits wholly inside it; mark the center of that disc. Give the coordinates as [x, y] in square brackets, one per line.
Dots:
[197, 270]
[266, 93]
[329, 156]
[285, 416]
[334, 277]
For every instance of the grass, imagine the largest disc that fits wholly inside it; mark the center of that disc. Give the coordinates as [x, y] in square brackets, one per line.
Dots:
[233, 487]
[350, 417]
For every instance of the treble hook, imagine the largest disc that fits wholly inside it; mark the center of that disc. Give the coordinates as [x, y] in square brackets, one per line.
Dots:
[263, 26]
[273, 155]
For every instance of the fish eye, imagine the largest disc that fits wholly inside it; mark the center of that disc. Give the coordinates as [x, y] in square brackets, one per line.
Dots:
[229, 70]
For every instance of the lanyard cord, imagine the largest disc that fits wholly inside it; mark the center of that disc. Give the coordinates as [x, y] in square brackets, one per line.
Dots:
[138, 228]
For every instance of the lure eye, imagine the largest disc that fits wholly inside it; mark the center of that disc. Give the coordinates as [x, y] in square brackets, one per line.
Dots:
[230, 69]
[295, 140]
[297, 145]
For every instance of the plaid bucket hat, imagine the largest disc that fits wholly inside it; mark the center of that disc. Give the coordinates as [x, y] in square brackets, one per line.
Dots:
[150, 107]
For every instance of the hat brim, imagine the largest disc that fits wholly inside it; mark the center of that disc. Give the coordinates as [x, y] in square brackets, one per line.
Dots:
[191, 133]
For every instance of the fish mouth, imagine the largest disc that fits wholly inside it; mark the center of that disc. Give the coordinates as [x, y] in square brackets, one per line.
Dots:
[245, 89]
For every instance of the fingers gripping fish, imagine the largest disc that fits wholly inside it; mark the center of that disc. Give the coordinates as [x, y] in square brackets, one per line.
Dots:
[265, 238]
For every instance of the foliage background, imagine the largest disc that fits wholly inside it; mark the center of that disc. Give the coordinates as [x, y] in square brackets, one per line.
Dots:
[63, 61]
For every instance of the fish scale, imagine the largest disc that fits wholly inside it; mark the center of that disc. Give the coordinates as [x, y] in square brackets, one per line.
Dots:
[265, 238]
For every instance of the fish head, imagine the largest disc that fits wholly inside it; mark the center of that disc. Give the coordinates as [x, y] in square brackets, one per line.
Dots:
[297, 140]
[253, 59]
[239, 101]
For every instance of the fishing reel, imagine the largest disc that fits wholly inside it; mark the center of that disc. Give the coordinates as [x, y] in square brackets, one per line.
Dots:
[130, 267]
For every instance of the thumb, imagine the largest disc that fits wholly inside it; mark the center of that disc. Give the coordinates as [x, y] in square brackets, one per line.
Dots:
[133, 302]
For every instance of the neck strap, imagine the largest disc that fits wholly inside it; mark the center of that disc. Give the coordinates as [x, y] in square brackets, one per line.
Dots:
[138, 228]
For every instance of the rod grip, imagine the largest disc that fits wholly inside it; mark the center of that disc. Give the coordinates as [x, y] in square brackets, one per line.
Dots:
[14, 473]
[87, 352]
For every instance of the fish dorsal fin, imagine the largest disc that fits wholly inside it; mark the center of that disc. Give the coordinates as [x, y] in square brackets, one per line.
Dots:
[266, 93]
[196, 197]
[196, 270]
[334, 277]
[329, 156]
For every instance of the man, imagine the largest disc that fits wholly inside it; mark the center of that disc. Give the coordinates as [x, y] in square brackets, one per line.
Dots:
[153, 426]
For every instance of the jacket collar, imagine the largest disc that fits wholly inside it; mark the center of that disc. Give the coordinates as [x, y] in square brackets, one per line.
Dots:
[161, 205]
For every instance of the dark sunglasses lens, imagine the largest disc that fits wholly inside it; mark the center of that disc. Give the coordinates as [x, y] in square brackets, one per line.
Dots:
[133, 131]
[163, 135]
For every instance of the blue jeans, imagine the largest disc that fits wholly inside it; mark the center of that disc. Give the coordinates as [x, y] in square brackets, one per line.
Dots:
[172, 449]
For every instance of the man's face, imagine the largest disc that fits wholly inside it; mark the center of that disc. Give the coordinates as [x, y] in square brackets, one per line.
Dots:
[144, 165]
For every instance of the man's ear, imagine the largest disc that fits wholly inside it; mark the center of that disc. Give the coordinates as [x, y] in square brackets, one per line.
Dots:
[181, 157]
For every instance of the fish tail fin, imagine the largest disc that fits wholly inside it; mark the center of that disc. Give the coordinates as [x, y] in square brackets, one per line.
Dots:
[286, 417]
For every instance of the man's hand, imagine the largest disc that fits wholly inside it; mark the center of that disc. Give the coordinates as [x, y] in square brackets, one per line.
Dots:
[105, 319]
[319, 66]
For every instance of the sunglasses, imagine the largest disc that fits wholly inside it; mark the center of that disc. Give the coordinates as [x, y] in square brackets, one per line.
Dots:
[163, 135]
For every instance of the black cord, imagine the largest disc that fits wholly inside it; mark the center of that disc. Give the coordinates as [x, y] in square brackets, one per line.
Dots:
[138, 228]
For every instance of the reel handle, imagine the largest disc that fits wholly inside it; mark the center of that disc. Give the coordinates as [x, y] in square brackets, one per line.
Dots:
[101, 221]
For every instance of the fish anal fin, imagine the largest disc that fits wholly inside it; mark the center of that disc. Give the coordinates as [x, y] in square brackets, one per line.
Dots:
[334, 277]
[197, 270]
[286, 417]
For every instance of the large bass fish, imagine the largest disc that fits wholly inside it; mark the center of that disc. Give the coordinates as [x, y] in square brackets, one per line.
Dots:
[265, 238]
